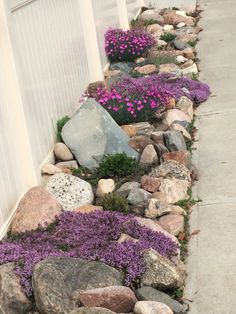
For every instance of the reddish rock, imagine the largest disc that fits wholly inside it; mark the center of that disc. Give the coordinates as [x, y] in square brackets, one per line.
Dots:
[139, 142]
[129, 130]
[150, 184]
[36, 207]
[170, 17]
[188, 53]
[174, 224]
[87, 208]
[183, 158]
[171, 103]
[147, 69]
[115, 298]
[175, 115]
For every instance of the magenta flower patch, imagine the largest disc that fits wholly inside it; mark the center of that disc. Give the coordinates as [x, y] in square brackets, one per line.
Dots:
[127, 45]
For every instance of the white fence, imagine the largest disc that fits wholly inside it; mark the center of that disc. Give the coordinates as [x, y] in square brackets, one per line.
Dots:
[49, 51]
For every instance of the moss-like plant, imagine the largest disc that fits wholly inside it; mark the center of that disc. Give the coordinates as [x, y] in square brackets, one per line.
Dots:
[167, 37]
[141, 24]
[60, 124]
[192, 43]
[119, 165]
[114, 202]
[163, 59]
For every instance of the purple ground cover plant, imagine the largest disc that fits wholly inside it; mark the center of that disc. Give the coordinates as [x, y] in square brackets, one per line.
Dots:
[127, 45]
[72, 235]
[137, 99]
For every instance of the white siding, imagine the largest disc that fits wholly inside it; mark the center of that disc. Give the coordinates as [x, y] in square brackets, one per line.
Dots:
[133, 6]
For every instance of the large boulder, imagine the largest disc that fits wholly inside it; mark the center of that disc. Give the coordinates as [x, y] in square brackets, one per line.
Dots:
[160, 272]
[56, 282]
[174, 224]
[92, 133]
[71, 192]
[174, 141]
[151, 307]
[152, 14]
[116, 298]
[174, 189]
[183, 158]
[125, 188]
[151, 294]
[137, 196]
[12, 298]
[172, 18]
[36, 207]
[173, 115]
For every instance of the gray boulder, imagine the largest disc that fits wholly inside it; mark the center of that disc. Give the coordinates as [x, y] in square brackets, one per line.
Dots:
[151, 294]
[92, 133]
[56, 281]
[12, 298]
[174, 141]
[137, 196]
[125, 67]
[180, 45]
[125, 188]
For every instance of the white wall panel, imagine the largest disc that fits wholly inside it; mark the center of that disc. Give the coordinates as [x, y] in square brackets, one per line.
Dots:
[52, 66]
[133, 6]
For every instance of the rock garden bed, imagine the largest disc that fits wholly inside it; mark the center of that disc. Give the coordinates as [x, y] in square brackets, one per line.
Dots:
[108, 231]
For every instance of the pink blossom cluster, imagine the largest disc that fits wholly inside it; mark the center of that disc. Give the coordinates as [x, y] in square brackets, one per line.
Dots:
[127, 45]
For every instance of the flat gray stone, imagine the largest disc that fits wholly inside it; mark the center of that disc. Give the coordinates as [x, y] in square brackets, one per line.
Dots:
[137, 196]
[174, 141]
[125, 189]
[180, 45]
[92, 133]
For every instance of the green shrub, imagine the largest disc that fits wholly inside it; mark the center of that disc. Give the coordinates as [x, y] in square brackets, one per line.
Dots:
[192, 43]
[60, 123]
[163, 59]
[116, 165]
[114, 202]
[167, 37]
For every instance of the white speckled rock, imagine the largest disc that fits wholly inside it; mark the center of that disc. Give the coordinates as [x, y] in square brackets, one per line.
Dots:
[71, 192]
[105, 186]
[151, 307]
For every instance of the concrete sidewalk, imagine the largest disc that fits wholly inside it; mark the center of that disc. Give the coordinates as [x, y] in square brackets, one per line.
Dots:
[211, 283]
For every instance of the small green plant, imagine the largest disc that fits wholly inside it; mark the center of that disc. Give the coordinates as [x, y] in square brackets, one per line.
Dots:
[116, 165]
[163, 59]
[60, 124]
[167, 37]
[114, 202]
[194, 76]
[141, 24]
[175, 9]
[85, 174]
[192, 43]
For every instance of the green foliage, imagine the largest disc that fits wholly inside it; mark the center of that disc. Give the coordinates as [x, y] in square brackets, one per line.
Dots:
[114, 202]
[60, 124]
[192, 43]
[116, 165]
[175, 9]
[85, 174]
[163, 59]
[141, 24]
[167, 37]
[194, 76]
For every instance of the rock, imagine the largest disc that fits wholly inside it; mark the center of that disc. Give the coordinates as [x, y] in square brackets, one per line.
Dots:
[12, 298]
[170, 68]
[62, 152]
[147, 69]
[188, 53]
[154, 226]
[190, 70]
[139, 142]
[156, 209]
[36, 207]
[157, 137]
[174, 224]
[129, 130]
[173, 115]
[151, 294]
[139, 209]
[115, 298]
[162, 127]
[186, 105]
[125, 188]
[72, 164]
[174, 141]
[105, 186]
[180, 25]
[56, 281]
[50, 169]
[181, 59]
[186, 38]
[171, 103]
[182, 13]
[155, 29]
[183, 158]
[91, 310]
[137, 196]
[150, 184]
[161, 43]
[92, 133]
[174, 189]
[87, 208]
[168, 28]
[152, 14]
[125, 237]
[113, 77]
[161, 197]
[140, 60]
[178, 127]
[171, 169]
[160, 272]
[180, 45]
[125, 67]
[143, 128]
[170, 17]
[71, 192]
[92, 88]
[151, 307]
[161, 149]
[149, 156]
[177, 210]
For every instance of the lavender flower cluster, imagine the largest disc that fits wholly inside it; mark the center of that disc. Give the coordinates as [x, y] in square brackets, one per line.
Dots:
[136, 99]
[72, 235]
[127, 45]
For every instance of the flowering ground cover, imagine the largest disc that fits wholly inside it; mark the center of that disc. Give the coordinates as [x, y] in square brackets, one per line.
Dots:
[127, 45]
[72, 235]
